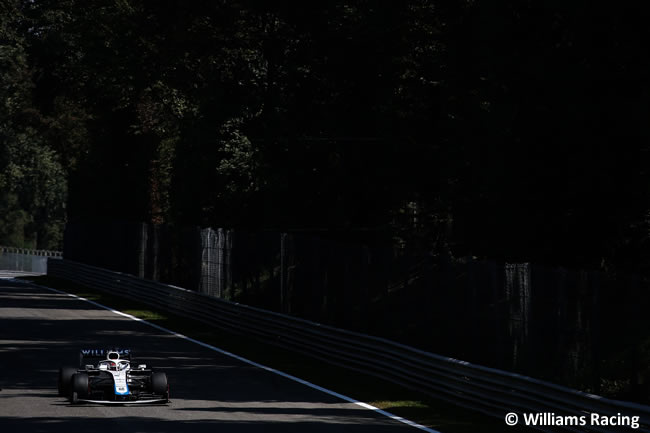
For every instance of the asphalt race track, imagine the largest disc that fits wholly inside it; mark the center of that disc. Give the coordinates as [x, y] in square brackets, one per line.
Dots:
[42, 330]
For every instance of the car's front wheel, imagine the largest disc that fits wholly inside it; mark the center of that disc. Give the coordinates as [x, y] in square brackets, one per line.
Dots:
[159, 383]
[65, 380]
[79, 387]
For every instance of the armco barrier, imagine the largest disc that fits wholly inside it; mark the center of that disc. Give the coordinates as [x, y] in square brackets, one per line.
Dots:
[490, 391]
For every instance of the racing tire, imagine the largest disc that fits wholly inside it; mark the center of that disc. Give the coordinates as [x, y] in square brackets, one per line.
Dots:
[79, 386]
[65, 380]
[159, 383]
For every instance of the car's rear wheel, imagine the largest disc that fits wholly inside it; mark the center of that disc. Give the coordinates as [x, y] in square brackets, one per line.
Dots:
[79, 386]
[65, 380]
[159, 383]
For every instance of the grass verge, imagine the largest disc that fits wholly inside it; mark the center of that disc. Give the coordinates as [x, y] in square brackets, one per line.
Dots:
[418, 407]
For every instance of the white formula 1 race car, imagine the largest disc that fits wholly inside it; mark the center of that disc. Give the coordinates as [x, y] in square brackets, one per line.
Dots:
[109, 376]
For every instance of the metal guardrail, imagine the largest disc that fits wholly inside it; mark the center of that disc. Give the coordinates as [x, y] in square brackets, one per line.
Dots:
[487, 390]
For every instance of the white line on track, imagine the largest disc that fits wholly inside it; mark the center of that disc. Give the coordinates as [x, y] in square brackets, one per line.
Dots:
[244, 360]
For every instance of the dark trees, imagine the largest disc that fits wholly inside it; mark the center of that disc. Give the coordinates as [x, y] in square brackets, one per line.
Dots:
[32, 180]
[500, 129]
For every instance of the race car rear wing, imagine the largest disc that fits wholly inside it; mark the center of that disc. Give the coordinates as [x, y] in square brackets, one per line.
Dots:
[91, 356]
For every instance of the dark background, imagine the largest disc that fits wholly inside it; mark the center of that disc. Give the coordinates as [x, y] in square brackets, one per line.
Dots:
[419, 136]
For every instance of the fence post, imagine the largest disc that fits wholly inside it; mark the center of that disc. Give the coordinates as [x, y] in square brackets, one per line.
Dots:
[518, 297]
[210, 263]
[284, 265]
[227, 291]
[142, 250]
[219, 271]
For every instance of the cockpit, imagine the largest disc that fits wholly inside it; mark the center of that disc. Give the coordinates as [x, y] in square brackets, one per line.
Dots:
[114, 366]
[114, 363]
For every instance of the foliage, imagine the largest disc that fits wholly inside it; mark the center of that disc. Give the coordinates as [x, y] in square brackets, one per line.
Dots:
[32, 180]
[503, 129]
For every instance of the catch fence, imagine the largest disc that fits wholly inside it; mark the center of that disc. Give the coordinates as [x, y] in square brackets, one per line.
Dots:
[25, 259]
